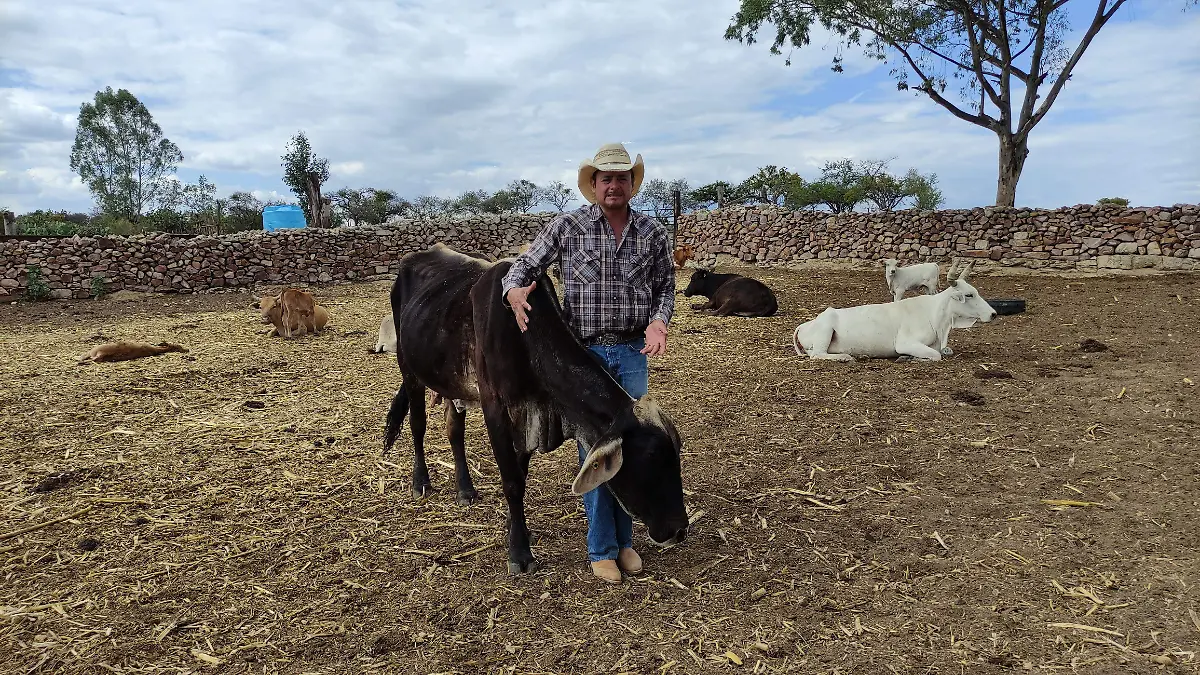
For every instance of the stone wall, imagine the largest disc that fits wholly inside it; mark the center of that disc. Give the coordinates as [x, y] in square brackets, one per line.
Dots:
[164, 263]
[1082, 237]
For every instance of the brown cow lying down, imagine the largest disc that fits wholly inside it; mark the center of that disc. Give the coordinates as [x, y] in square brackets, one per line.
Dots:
[126, 351]
[292, 313]
[682, 255]
[731, 294]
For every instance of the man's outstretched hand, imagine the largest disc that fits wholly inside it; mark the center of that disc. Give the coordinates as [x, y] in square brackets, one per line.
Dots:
[517, 298]
[656, 338]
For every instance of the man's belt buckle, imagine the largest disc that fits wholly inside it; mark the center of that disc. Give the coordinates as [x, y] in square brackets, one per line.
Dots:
[610, 339]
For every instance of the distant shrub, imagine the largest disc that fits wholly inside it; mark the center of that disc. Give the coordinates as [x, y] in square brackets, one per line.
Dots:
[58, 224]
[99, 286]
[36, 287]
[1113, 201]
[107, 224]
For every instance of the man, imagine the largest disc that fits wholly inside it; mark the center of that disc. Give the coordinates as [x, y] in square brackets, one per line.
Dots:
[619, 295]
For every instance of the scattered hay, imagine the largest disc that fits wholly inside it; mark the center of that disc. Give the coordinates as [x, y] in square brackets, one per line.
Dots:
[241, 516]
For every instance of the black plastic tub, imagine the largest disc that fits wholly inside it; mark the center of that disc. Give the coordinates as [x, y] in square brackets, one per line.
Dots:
[1007, 305]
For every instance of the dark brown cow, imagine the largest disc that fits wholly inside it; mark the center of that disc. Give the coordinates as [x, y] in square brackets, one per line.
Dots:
[731, 294]
[536, 389]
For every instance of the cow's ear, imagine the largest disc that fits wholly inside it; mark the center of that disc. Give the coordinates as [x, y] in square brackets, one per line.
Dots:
[956, 293]
[602, 463]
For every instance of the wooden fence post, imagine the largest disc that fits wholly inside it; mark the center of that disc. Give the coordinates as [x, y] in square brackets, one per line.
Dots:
[678, 212]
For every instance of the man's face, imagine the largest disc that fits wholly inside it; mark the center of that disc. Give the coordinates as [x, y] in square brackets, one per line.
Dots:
[613, 188]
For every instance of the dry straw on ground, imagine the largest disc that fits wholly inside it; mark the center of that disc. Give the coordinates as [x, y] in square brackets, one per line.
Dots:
[229, 510]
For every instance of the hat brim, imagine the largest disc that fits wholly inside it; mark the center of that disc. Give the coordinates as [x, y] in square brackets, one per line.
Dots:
[587, 168]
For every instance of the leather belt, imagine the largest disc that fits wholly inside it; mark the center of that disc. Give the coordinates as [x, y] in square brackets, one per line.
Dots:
[610, 339]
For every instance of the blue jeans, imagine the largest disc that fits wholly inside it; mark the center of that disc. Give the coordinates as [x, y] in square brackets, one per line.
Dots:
[610, 529]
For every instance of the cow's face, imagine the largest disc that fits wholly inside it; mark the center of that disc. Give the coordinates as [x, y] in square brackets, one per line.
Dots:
[889, 270]
[267, 307]
[967, 306]
[698, 284]
[642, 471]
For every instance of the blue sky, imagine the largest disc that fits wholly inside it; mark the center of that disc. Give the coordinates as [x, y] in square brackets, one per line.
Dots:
[443, 96]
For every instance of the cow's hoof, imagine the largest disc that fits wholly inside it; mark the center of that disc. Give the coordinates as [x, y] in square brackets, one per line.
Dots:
[466, 498]
[946, 351]
[903, 358]
[420, 491]
[523, 568]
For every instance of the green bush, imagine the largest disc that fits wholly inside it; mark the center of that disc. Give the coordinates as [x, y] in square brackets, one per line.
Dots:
[108, 224]
[99, 286]
[36, 287]
[1113, 201]
[58, 223]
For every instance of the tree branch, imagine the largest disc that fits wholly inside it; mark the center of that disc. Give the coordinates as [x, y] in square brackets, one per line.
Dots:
[976, 61]
[1006, 72]
[1098, 22]
[1035, 67]
[982, 119]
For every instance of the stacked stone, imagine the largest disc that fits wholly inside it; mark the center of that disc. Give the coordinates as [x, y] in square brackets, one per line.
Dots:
[164, 263]
[1086, 237]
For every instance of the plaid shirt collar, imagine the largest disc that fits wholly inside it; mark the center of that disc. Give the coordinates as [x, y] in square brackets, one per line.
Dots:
[633, 226]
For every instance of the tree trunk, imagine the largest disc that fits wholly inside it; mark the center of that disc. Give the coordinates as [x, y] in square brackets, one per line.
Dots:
[314, 200]
[1013, 153]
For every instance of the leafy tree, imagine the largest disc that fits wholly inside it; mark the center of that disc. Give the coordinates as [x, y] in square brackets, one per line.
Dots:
[369, 206]
[840, 188]
[120, 153]
[1003, 52]
[717, 193]
[428, 206]
[470, 202]
[770, 185]
[304, 172]
[500, 201]
[885, 192]
[556, 194]
[522, 196]
[242, 211]
[924, 190]
[1113, 201]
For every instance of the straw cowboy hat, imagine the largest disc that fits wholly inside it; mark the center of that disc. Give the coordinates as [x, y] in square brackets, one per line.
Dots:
[610, 157]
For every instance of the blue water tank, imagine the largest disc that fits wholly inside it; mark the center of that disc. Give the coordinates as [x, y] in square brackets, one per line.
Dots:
[286, 216]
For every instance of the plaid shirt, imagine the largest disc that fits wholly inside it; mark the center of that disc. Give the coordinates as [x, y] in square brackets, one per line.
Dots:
[608, 288]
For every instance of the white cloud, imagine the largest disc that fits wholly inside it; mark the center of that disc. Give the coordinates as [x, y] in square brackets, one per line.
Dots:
[352, 168]
[441, 96]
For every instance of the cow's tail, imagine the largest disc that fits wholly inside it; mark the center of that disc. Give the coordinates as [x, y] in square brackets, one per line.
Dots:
[395, 418]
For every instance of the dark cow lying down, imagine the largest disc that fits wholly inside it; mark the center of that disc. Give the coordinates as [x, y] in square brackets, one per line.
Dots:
[731, 294]
[536, 389]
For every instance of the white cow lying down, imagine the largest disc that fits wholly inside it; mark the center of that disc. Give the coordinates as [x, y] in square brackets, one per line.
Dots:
[916, 327]
[386, 342]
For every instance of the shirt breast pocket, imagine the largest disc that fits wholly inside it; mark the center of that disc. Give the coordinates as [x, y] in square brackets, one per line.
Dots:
[636, 268]
[585, 266]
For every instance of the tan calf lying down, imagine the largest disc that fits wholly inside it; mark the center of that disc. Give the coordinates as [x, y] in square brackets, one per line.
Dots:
[126, 351]
[292, 313]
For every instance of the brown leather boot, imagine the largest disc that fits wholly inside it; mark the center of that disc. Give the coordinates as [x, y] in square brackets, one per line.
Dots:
[629, 560]
[607, 570]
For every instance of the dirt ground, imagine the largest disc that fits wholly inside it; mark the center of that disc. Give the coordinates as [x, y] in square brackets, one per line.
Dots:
[229, 510]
